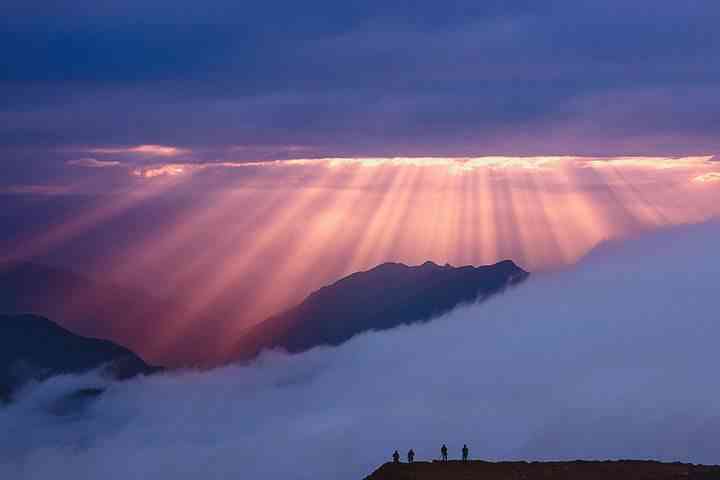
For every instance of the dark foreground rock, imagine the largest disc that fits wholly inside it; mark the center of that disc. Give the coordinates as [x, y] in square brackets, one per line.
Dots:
[576, 470]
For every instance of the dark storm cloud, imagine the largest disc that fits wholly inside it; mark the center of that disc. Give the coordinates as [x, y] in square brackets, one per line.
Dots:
[371, 78]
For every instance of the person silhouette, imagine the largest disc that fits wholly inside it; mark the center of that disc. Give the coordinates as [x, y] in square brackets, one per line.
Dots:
[443, 452]
[465, 453]
[396, 457]
[411, 456]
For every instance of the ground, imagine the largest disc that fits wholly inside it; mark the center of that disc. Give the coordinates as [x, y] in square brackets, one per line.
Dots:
[576, 470]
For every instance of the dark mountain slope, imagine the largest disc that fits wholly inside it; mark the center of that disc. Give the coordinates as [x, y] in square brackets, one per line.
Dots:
[389, 295]
[90, 308]
[33, 347]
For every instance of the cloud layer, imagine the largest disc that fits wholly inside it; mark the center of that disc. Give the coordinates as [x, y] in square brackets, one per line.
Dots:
[613, 358]
[380, 78]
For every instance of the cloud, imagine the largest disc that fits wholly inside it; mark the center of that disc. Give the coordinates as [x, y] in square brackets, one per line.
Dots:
[37, 189]
[93, 163]
[710, 177]
[144, 150]
[657, 163]
[614, 358]
[460, 164]
[468, 79]
[270, 148]
[167, 170]
[456, 165]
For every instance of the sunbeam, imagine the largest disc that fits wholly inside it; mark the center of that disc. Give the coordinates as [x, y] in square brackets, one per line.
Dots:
[108, 207]
[242, 241]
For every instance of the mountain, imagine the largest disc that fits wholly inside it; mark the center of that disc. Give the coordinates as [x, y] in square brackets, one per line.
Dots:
[384, 297]
[88, 307]
[34, 348]
[388, 295]
[578, 469]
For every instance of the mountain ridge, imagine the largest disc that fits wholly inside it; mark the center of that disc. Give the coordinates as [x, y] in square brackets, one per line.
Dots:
[81, 304]
[383, 297]
[35, 348]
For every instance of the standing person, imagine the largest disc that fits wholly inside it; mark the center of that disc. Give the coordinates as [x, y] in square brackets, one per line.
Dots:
[443, 452]
[411, 456]
[465, 453]
[396, 457]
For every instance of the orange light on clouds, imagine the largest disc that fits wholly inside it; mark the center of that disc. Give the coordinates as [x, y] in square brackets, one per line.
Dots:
[707, 177]
[146, 150]
[659, 163]
[160, 171]
[455, 165]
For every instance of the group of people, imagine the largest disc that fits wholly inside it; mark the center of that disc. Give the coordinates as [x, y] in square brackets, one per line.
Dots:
[443, 454]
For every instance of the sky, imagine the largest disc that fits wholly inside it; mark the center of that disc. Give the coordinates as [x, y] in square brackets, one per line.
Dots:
[281, 79]
[612, 358]
[228, 158]
[260, 150]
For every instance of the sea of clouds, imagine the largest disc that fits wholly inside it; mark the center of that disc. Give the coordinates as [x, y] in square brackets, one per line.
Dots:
[614, 358]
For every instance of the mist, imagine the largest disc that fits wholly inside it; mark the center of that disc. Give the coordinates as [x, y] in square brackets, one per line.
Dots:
[612, 358]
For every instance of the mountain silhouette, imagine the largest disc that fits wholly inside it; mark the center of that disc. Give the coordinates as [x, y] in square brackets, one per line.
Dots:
[91, 308]
[34, 348]
[384, 297]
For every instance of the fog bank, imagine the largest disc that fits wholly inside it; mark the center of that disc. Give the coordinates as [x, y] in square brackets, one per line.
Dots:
[614, 358]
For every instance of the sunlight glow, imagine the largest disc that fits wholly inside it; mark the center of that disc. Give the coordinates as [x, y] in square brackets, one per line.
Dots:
[708, 177]
[55, 235]
[163, 170]
[456, 165]
[260, 236]
[148, 150]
